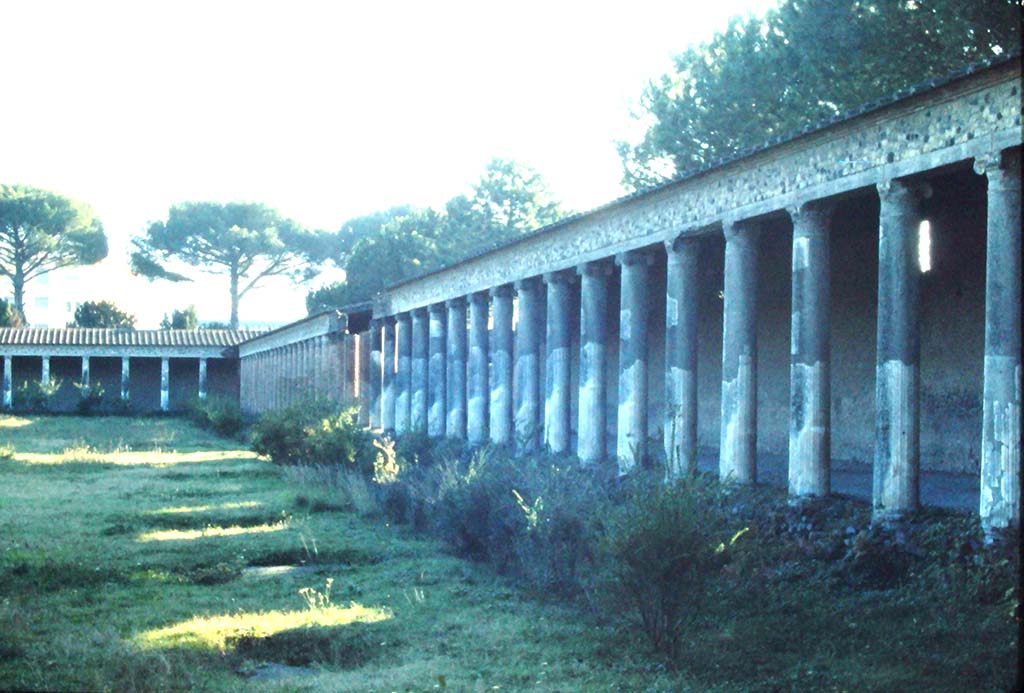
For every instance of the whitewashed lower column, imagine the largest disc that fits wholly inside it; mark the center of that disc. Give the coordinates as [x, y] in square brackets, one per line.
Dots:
[8, 382]
[557, 376]
[125, 378]
[165, 384]
[202, 378]
[631, 441]
[595, 278]
[681, 294]
[501, 374]
[479, 394]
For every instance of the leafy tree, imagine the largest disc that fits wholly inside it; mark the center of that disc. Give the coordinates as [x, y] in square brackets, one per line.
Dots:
[249, 242]
[800, 64]
[380, 249]
[186, 319]
[41, 231]
[102, 314]
[9, 315]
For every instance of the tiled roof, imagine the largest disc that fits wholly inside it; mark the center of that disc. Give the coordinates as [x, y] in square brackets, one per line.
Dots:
[100, 337]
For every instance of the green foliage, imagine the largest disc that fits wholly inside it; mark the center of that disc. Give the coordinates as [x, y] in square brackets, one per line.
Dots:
[661, 546]
[802, 63]
[246, 241]
[314, 433]
[9, 315]
[35, 395]
[222, 415]
[186, 319]
[90, 398]
[102, 314]
[381, 249]
[41, 231]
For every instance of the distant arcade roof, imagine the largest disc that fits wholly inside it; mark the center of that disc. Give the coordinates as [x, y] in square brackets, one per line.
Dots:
[40, 341]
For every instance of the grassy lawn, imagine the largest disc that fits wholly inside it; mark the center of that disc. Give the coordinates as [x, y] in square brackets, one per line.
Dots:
[146, 554]
[141, 554]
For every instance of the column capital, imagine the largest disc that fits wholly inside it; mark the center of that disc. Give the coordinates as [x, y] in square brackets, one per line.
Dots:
[675, 247]
[457, 302]
[436, 308]
[903, 187]
[1002, 168]
[403, 317]
[560, 276]
[737, 229]
[387, 320]
[479, 297]
[596, 268]
[503, 291]
[528, 284]
[420, 312]
[811, 218]
[639, 256]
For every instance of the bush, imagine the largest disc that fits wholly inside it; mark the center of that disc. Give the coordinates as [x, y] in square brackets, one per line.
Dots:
[660, 546]
[90, 398]
[221, 415]
[35, 395]
[314, 433]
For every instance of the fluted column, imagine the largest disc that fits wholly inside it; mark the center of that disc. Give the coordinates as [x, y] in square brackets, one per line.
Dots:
[476, 416]
[363, 377]
[810, 398]
[592, 446]
[85, 371]
[897, 366]
[202, 378]
[631, 441]
[403, 378]
[557, 429]
[681, 293]
[44, 375]
[1000, 429]
[419, 370]
[376, 374]
[8, 382]
[165, 384]
[527, 366]
[387, 410]
[501, 366]
[437, 375]
[738, 446]
[125, 376]
[455, 425]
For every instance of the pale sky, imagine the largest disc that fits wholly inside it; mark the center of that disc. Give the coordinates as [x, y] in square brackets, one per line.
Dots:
[324, 110]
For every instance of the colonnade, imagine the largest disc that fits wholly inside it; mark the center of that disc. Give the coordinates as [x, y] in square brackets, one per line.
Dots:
[438, 371]
[323, 366]
[125, 391]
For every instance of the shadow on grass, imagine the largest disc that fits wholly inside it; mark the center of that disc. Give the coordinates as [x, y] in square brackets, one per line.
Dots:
[348, 647]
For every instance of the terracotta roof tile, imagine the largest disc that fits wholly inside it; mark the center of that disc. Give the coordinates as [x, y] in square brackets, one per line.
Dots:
[89, 336]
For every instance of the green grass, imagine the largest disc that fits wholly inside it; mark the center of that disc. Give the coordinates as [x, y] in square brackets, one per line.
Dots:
[142, 554]
[146, 554]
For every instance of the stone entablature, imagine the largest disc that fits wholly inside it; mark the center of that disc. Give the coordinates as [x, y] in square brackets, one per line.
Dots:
[322, 324]
[968, 118]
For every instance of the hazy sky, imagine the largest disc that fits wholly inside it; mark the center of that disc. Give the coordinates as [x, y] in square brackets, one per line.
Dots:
[325, 110]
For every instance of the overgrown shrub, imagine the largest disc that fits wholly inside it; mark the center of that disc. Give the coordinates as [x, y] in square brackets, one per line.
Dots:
[35, 395]
[314, 433]
[218, 414]
[660, 546]
[90, 398]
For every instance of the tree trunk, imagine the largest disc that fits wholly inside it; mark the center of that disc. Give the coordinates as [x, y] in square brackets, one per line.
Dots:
[18, 281]
[234, 298]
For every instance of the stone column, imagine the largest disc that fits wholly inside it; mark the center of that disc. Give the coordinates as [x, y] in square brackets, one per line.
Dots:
[437, 372]
[592, 444]
[897, 366]
[738, 445]
[527, 366]
[403, 378]
[455, 426]
[364, 376]
[476, 416]
[165, 384]
[352, 372]
[125, 377]
[44, 375]
[8, 382]
[557, 375]
[501, 346]
[681, 298]
[631, 441]
[1000, 428]
[420, 327]
[85, 371]
[387, 411]
[202, 378]
[376, 375]
[810, 394]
